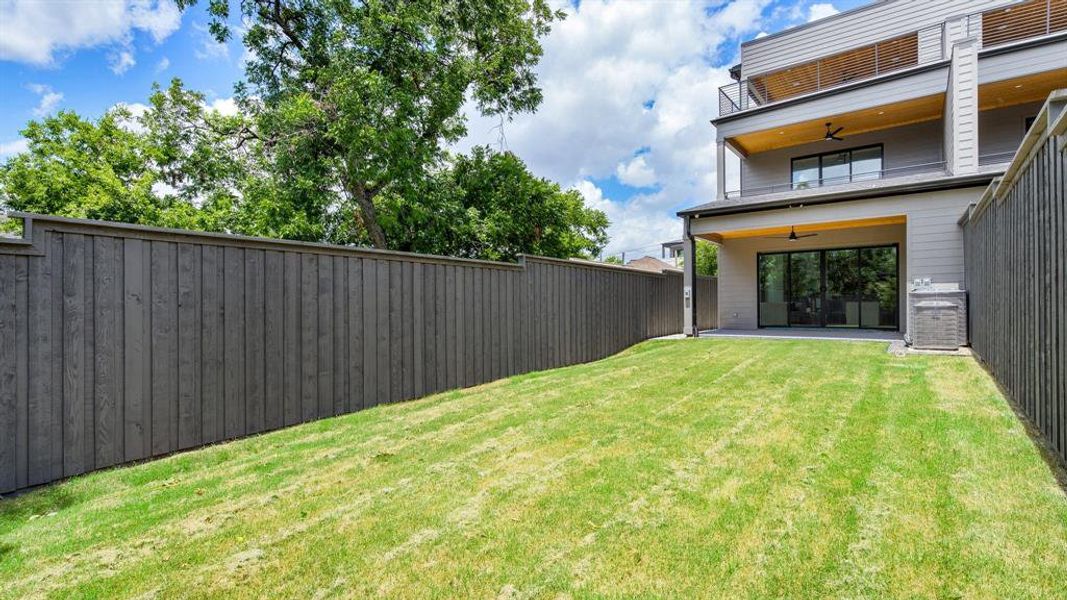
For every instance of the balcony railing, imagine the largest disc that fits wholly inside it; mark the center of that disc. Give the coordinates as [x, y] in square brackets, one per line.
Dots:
[1019, 21]
[906, 51]
[868, 177]
[995, 158]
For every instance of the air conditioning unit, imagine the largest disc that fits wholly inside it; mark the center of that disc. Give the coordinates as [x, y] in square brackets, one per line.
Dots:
[937, 317]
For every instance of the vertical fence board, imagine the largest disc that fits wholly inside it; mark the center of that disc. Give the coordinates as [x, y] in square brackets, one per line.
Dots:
[355, 333]
[190, 419]
[137, 351]
[9, 322]
[164, 348]
[40, 432]
[212, 390]
[309, 337]
[273, 339]
[292, 335]
[233, 343]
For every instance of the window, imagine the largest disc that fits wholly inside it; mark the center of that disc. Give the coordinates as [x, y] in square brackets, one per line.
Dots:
[831, 168]
[1029, 123]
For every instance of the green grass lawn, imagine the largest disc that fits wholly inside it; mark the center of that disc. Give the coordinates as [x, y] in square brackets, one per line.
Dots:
[688, 468]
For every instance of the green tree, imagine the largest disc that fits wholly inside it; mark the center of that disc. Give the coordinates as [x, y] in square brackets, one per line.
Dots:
[79, 168]
[175, 166]
[488, 205]
[362, 97]
[707, 259]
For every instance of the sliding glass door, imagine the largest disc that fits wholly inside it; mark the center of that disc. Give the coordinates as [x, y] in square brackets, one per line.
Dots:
[840, 287]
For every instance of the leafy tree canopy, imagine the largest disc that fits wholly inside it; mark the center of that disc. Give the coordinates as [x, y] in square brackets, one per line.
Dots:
[342, 135]
[707, 259]
[488, 205]
[360, 98]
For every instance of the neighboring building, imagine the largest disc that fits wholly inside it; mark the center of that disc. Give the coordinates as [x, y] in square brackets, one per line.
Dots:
[671, 252]
[863, 138]
[649, 263]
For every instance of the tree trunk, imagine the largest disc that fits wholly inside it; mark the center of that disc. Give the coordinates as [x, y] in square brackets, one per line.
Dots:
[365, 202]
[370, 220]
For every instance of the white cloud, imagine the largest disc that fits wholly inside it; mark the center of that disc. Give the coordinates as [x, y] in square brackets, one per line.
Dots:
[601, 68]
[163, 64]
[821, 11]
[34, 31]
[636, 173]
[120, 62]
[13, 147]
[49, 99]
[209, 48]
[638, 225]
[224, 106]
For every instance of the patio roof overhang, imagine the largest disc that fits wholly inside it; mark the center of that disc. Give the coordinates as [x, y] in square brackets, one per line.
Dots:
[730, 231]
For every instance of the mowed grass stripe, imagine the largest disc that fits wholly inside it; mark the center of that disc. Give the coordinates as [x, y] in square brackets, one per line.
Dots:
[689, 468]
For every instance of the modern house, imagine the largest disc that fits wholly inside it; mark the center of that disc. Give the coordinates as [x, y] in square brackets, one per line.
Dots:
[863, 137]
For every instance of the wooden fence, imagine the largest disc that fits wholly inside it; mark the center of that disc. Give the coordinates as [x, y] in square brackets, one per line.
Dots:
[1016, 261]
[120, 343]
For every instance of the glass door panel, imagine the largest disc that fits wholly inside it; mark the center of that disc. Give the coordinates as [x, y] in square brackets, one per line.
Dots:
[842, 288]
[835, 168]
[805, 289]
[772, 293]
[805, 173]
[879, 297]
[867, 163]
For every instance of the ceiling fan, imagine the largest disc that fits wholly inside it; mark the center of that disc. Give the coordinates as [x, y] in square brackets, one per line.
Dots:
[792, 237]
[832, 135]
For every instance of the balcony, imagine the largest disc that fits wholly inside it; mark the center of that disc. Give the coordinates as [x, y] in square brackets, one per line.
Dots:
[834, 71]
[1018, 22]
[865, 180]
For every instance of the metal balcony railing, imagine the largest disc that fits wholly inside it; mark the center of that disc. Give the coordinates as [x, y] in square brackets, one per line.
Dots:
[870, 176]
[918, 47]
[995, 158]
[1017, 22]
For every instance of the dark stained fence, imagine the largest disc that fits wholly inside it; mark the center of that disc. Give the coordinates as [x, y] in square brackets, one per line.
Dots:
[1016, 261]
[120, 343]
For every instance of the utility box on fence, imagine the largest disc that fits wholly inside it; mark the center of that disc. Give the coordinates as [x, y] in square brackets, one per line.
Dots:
[938, 316]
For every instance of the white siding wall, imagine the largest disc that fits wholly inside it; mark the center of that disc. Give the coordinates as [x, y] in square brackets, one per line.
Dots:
[931, 242]
[906, 146]
[855, 29]
[962, 148]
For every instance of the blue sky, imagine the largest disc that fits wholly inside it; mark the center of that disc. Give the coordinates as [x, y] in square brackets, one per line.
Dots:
[629, 87]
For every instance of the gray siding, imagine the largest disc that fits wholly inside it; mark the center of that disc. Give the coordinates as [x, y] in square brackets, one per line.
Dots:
[878, 21]
[120, 343]
[1000, 131]
[1017, 63]
[906, 146]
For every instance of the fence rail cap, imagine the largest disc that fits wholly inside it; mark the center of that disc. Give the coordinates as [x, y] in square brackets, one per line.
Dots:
[90, 226]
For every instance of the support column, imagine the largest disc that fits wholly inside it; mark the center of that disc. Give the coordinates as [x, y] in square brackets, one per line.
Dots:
[689, 280]
[961, 99]
[720, 170]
